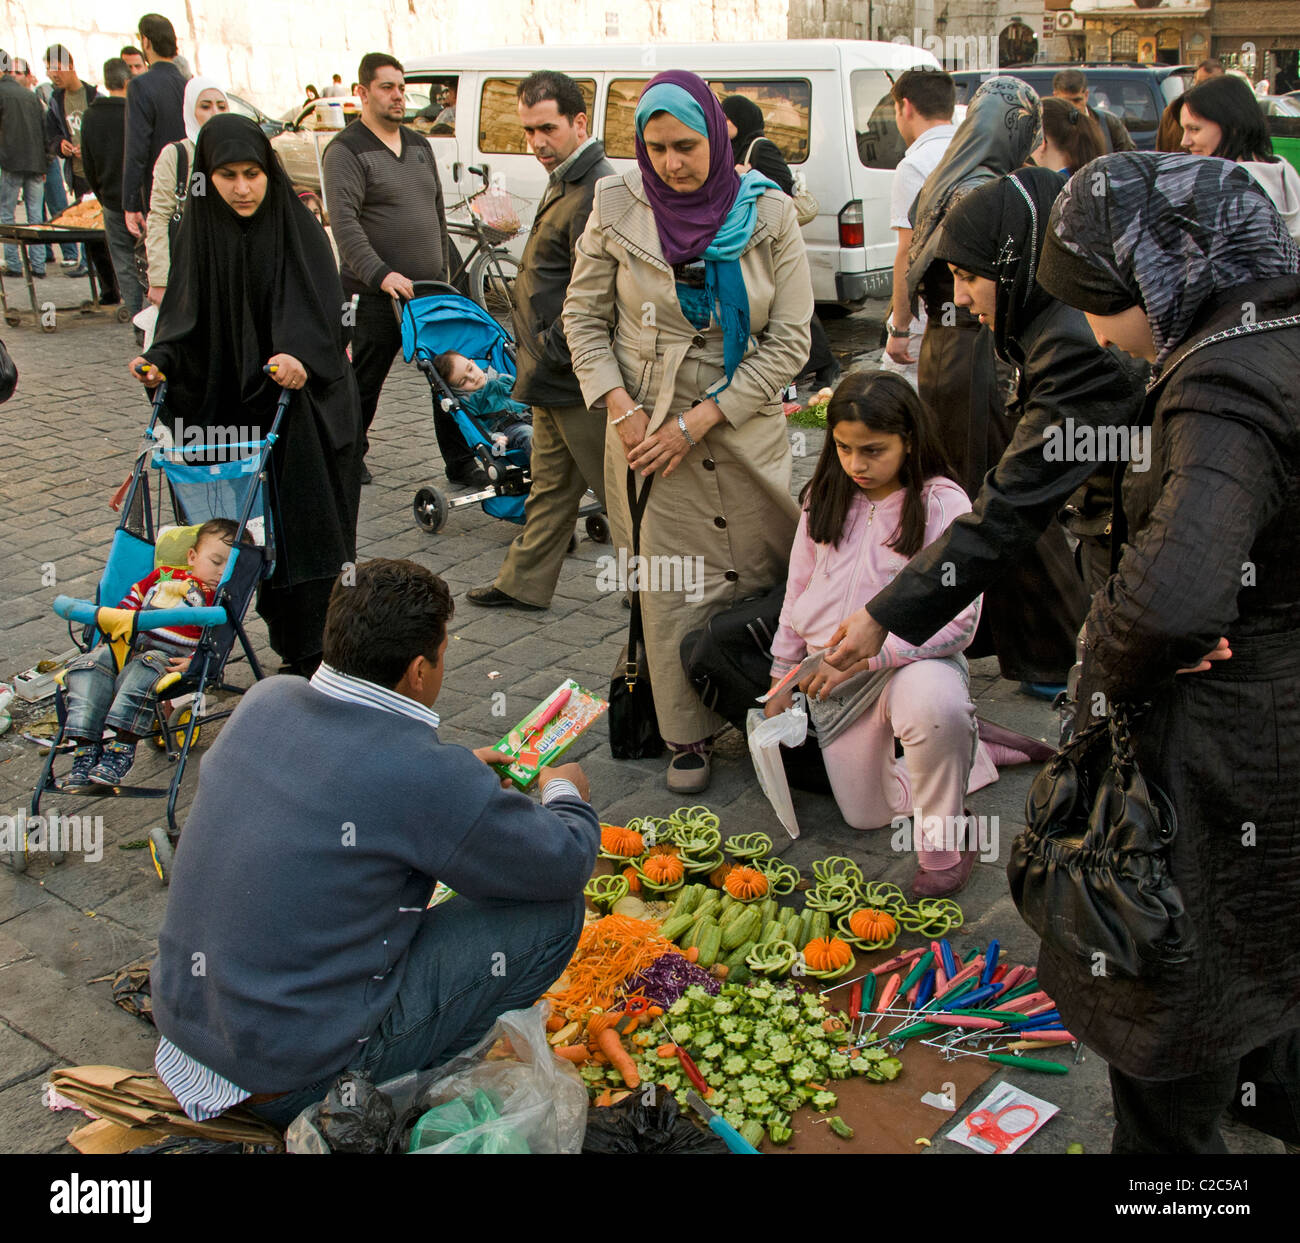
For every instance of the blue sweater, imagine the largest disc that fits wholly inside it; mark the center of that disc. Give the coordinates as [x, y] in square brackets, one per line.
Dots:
[316, 836]
[493, 401]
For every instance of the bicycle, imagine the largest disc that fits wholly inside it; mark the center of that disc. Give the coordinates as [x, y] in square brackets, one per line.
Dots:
[489, 270]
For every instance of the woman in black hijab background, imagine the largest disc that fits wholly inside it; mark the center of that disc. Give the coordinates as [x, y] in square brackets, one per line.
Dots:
[751, 147]
[254, 282]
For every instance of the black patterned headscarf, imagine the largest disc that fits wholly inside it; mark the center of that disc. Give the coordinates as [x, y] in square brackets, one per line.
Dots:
[1163, 231]
[997, 232]
[1003, 125]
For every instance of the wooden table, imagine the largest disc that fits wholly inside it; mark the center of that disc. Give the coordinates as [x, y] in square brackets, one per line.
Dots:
[25, 235]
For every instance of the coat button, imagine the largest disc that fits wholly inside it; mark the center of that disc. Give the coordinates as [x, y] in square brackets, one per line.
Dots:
[731, 576]
[720, 522]
[697, 341]
[710, 464]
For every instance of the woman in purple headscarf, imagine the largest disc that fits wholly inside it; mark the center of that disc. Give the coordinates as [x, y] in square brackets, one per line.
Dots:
[687, 315]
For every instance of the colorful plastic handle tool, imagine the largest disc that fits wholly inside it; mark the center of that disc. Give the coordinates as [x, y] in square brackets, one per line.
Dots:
[990, 962]
[1030, 1063]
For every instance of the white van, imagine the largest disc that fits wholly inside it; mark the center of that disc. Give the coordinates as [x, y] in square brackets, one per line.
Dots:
[827, 104]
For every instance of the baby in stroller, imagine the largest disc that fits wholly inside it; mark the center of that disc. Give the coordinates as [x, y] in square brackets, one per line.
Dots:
[485, 396]
[100, 695]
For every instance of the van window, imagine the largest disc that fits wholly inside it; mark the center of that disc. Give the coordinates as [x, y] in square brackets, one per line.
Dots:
[499, 131]
[786, 105]
[1130, 99]
[880, 145]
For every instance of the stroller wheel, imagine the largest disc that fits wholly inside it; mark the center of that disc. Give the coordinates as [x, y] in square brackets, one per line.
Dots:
[430, 509]
[177, 720]
[163, 854]
[598, 528]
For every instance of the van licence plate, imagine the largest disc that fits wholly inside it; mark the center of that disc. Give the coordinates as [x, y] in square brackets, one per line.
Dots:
[879, 284]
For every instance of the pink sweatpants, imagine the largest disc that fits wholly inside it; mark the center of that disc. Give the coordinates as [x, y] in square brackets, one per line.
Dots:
[927, 707]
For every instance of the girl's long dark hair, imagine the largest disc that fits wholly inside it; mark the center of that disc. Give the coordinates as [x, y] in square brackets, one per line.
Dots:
[884, 402]
[1073, 130]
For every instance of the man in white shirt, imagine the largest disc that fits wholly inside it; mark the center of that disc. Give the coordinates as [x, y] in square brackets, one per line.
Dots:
[924, 100]
[336, 89]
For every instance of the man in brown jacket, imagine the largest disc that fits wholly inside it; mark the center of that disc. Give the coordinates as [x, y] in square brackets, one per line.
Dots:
[568, 439]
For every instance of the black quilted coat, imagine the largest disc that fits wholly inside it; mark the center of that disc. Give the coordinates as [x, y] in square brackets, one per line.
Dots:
[1212, 535]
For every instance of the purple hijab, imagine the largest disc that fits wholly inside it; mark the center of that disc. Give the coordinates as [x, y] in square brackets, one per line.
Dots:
[688, 222]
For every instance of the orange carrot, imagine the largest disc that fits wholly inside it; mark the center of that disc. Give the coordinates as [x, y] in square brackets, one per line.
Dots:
[556, 1023]
[610, 1045]
[574, 1053]
[693, 954]
[605, 1098]
[666, 1050]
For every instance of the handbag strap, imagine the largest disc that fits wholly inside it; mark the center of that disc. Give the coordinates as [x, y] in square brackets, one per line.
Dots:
[752, 145]
[636, 507]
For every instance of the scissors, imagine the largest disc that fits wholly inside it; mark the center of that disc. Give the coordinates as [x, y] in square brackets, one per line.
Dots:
[995, 1131]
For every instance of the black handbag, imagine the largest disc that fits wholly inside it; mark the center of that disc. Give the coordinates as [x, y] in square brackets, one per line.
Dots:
[633, 724]
[8, 375]
[1090, 874]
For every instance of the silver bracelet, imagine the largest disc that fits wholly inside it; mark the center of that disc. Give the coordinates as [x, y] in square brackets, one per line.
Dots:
[622, 418]
[681, 424]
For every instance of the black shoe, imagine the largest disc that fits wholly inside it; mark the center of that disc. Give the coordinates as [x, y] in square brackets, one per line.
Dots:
[491, 598]
[474, 477]
[366, 476]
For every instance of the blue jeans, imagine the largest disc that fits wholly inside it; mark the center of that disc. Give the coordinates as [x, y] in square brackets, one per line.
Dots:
[98, 695]
[31, 187]
[56, 199]
[518, 434]
[121, 246]
[470, 962]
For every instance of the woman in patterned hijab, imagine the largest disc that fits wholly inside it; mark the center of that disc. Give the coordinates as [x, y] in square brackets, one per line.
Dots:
[1162, 235]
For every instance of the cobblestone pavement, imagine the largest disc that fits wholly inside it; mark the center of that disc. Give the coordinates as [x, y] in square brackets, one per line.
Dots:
[67, 440]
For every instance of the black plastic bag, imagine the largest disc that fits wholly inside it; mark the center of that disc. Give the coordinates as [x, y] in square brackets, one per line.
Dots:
[356, 1116]
[634, 1126]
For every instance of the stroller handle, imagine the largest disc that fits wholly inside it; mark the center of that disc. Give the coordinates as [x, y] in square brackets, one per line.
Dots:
[72, 609]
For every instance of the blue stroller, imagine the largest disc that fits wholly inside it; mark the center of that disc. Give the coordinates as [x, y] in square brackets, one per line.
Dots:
[225, 480]
[439, 319]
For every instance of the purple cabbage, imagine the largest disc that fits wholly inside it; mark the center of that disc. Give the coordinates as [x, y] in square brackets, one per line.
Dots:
[668, 977]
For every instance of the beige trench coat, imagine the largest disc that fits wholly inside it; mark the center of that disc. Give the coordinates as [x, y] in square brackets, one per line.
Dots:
[726, 511]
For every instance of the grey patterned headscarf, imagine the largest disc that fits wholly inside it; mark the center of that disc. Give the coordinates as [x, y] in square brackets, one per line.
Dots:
[1001, 128]
[1165, 231]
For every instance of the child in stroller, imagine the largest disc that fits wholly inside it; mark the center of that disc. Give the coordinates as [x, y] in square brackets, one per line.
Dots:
[486, 396]
[99, 695]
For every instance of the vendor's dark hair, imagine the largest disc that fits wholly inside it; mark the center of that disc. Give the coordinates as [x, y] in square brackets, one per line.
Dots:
[372, 63]
[884, 402]
[160, 32]
[1074, 131]
[1231, 105]
[547, 84]
[382, 615]
[1070, 81]
[116, 74]
[931, 92]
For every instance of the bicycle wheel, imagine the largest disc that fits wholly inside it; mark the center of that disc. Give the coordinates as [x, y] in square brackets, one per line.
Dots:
[491, 277]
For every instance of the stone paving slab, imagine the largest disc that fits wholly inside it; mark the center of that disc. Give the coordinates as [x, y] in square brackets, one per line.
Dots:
[67, 440]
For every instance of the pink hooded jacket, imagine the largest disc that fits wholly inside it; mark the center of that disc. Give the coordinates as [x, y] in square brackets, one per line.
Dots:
[827, 583]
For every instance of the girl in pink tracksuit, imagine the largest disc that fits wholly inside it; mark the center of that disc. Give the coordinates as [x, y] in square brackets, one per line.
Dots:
[879, 494]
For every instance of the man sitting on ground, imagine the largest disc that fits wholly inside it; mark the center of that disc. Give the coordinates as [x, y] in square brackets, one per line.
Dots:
[297, 943]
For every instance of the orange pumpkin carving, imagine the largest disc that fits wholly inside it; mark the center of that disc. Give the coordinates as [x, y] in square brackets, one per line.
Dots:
[827, 954]
[870, 924]
[663, 869]
[615, 840]
[745, 883]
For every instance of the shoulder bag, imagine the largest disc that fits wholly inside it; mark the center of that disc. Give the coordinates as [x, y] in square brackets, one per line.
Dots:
[633, 723]
[806, 207]
[1090, 874]
[8, 374]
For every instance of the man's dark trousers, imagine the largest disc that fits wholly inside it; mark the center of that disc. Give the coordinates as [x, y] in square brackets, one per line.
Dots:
[97, 253]
[376, 341]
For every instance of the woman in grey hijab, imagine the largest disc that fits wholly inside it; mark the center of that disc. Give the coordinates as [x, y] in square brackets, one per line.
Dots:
[1031, 616]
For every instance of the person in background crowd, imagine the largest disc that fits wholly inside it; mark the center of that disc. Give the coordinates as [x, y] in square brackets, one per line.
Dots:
[22, 163]
[184, 66]
[56, 190]
[172, 176]
[134, 59]
[1222, 117]
[387, 216]
[352, 90]
[380, 983]
[155, 116]
[63, 118]
[253, 284]
[1071, 85]
[924, 100]
[692, 268]
[103, 142]
[23, 72]
[1209, 68]
[752, 148]
[1071, 138]
[1162, 257]
[314, 205]
[335, 89]
[568, 449]
[1169, 137]
[1031, 616]
[447, 117]
[312, 94]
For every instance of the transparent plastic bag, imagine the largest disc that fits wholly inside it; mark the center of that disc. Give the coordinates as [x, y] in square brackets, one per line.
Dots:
[767, 735]
[496, 209]
[515, 1099]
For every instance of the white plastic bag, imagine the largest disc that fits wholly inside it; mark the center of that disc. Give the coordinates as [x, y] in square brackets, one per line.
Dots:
[767, 735]
[541, 1098]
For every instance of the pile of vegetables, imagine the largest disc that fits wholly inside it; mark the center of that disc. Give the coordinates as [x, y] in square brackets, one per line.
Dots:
[767, 1050]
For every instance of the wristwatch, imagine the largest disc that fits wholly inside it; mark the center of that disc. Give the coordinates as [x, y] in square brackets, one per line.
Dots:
[899, 332]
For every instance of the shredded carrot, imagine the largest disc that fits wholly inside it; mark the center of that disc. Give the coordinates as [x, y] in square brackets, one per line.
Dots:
[609, 950]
